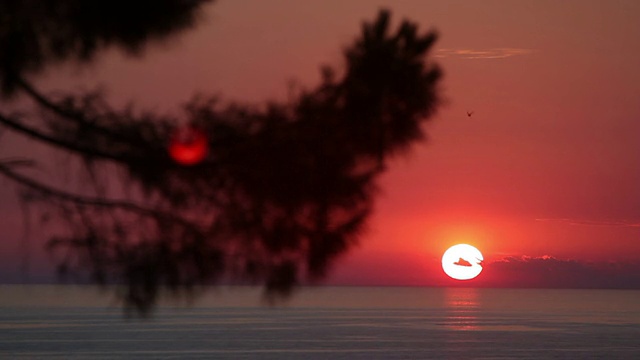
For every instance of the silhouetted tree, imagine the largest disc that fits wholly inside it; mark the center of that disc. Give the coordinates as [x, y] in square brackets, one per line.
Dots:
[284, 189]
[36, 33]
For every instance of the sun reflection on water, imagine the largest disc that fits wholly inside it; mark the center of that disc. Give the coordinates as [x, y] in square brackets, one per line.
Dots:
[461, 308]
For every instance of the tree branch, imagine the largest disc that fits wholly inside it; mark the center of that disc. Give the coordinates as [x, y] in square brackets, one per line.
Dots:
[66, 113]
[94, 202]
[17, 126]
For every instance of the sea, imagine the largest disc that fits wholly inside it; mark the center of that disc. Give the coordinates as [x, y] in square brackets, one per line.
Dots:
[74, 322]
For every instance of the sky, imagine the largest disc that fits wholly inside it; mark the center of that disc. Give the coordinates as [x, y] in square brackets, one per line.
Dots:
[542, 178]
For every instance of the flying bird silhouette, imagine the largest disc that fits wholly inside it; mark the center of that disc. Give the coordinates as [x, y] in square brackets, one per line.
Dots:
[469, 113]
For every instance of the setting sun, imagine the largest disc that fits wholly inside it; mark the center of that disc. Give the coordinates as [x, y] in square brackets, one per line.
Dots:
[462, 262]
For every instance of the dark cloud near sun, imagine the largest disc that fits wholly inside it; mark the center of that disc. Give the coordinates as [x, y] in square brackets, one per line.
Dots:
[494, 53]
[462, 262]
[551, 272]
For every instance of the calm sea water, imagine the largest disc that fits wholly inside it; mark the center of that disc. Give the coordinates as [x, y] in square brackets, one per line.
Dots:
[326, 323]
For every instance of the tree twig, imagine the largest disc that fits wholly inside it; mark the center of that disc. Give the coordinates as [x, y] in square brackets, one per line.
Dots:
[91, 201]
[43, 101]
[17, 126]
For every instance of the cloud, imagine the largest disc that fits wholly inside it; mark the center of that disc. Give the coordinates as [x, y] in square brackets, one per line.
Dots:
[551, 272]
[582, 222]
[495, 53]
[462, 262]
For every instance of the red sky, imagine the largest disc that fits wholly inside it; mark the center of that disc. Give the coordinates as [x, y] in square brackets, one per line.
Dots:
[548, 165]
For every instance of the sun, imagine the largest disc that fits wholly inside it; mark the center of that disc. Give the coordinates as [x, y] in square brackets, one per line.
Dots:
[462, 262]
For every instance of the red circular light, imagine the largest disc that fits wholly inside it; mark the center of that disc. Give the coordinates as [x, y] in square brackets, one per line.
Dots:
[188, 146]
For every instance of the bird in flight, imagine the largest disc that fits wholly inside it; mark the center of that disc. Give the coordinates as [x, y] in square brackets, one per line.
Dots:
[469, 113]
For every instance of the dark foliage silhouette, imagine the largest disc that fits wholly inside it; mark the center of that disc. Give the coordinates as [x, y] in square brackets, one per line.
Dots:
[35, 33]
[283, 190]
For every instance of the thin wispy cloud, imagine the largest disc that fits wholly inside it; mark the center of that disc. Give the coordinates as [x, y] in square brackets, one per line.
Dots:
[582, 222]
[494, 53]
